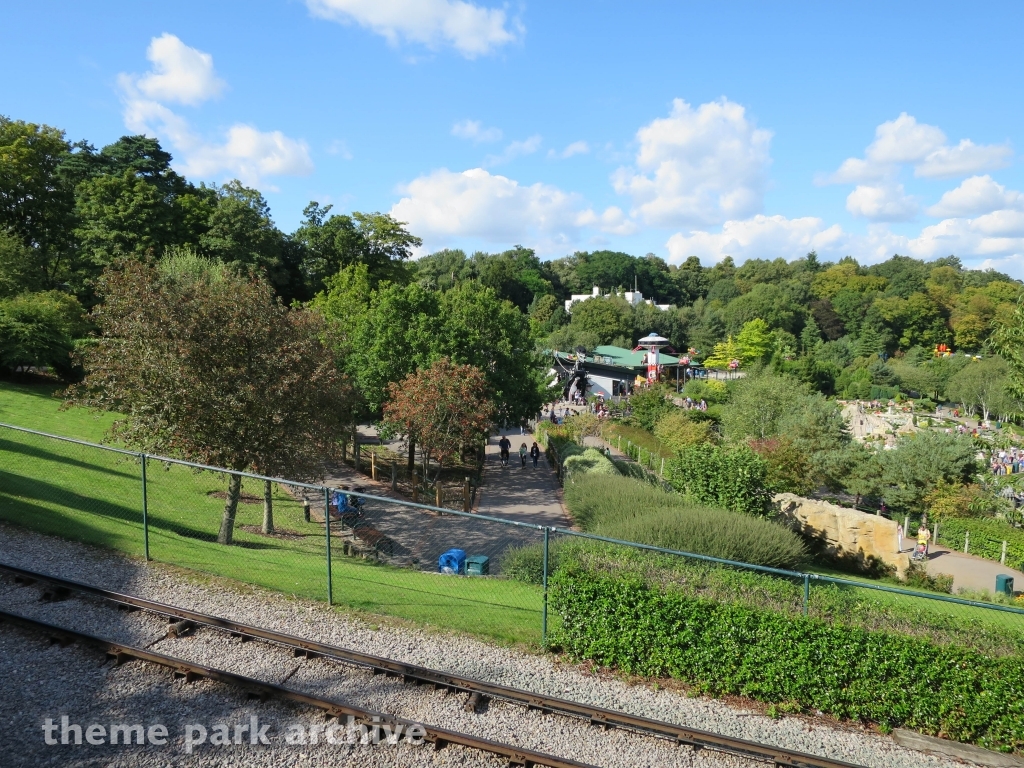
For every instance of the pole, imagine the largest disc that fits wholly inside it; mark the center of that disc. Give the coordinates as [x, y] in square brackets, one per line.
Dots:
[807, 591]
[544, 615]
[662, 467]
[967, 541]
[1002, 557]
[327, 528]
[145, 509]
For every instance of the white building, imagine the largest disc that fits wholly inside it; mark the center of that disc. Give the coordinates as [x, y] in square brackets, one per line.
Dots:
[633, 297]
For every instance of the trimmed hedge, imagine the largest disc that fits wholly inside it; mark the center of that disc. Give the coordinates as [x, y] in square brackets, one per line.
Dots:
[805, 664]
[733, 478]
[987, 537]
[587, 462]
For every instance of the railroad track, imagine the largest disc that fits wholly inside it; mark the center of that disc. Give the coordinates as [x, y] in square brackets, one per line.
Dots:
[182, 621]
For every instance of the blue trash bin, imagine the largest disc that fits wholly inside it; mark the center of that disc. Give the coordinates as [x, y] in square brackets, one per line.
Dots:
[452, 561]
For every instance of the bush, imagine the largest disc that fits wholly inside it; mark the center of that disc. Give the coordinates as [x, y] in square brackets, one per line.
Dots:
[735, 479]
[713, 532]
[917, 577]
[621, 508]
[789, 468]
[711, 391]
[526, 563]
[648, 406]
[676, 430]
[987, 537]
[589, 461]
[622, 620]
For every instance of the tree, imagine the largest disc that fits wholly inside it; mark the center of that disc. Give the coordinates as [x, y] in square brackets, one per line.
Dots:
[758, 405]
[36, 202]
[983, 384]
[920, 461]
[206, 365]
[444, 408]
[1008, 341]
[240, 232]
[677, 430]
[608, 318]
[38, 330]
[789, 468]
[724, 354]
[754, 342]
[374, 239]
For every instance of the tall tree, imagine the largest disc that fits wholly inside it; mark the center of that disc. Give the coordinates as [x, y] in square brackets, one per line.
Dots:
[207, 365]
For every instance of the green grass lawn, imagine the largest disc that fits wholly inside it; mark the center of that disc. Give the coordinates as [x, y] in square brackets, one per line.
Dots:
[95, 496]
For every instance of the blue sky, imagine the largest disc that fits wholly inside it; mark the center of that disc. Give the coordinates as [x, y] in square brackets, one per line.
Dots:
[749, 129]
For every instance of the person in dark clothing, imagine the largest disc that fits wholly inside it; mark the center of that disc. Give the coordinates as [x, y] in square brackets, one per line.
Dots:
[504, 445]
[534, 454]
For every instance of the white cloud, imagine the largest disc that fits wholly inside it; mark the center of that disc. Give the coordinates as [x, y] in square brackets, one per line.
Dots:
[245, 152]
[978, 194]
[576, 148]
[340, 148]
[514, 150]
[697, 166]
[180, 73]
[905, 141]
[475, 132]
[966, 157]
[758, 237]
[881, 203]
[471, 29]
[445, 205]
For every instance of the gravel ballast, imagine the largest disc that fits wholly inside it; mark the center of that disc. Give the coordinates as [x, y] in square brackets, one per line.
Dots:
[41, 682]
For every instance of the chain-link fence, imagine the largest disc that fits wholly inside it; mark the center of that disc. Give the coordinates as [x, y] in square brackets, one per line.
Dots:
[387, 556]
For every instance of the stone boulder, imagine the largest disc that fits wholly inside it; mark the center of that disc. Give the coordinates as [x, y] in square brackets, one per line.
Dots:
[846, 535]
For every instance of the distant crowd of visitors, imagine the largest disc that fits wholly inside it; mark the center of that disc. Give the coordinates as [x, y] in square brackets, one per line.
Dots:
[1008, 462]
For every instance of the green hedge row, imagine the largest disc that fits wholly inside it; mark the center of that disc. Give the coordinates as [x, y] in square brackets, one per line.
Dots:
[987, 537]
[619, 620]
[731, 478]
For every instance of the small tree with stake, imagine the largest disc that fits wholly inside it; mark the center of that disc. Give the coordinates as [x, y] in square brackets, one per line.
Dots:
[444, 407]
[205, 364]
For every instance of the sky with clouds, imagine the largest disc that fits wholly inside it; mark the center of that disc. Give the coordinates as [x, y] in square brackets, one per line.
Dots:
[745, 129]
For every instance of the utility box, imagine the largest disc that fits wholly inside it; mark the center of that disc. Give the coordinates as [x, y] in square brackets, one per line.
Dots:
[479, 565]
[1004, 584]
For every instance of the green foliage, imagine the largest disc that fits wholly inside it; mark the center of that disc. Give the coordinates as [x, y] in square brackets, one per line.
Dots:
[987, 537]
[758, 404]
[733, 478]
[607, 318]
[622, 508]
[648, 406]
[612, 431]
[38, 329]
[676, 430]
[622, 620]
[590, 462]
[919, 462]
[983, 385]
[789, 468]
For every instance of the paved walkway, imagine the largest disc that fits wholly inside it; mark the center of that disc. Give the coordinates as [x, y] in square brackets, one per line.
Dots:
[968, 571]
[525, 494]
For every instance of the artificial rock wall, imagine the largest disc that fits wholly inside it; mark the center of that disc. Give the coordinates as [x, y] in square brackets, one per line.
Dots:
[845, 534]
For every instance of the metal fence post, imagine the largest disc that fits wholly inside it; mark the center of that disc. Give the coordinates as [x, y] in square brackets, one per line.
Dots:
[1002, 557]
[807, 591]
[145, 509]
[544, 614]
[327, 528]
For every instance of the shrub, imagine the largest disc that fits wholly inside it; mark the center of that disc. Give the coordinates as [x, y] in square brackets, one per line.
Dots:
[735, 479]
[622, 620]
[917, 576]
[713, 532]
[987, 537]
[648, 406]
[621, 508]
[526, 563]
[676, 430]
[789, 468]
[590, 461]
[710, 391]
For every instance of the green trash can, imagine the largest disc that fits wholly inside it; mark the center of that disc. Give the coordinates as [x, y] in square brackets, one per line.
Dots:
[480, 565]
[1004, 584]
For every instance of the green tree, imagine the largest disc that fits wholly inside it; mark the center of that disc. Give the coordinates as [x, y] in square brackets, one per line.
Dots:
[206, 365]
[36, 202]
[759, 404]
[39, 330]
[983, 384]
[754, 342]
[240, 232]
[922, 460]
[608, 318]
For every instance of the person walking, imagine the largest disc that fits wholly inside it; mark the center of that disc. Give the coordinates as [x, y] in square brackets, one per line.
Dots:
[534, 453]
[504, 446]
[924, 536]
[522, 455]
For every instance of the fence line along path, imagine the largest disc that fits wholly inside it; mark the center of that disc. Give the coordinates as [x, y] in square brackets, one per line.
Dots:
[523, 494]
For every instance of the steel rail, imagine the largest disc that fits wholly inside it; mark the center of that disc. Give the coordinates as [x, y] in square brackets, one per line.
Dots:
[411, 673]
[439, 737]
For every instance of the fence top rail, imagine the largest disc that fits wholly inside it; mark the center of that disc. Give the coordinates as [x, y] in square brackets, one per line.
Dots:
[320, 487]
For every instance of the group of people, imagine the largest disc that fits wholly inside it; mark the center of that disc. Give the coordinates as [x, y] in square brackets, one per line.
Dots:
[1007, 462]
[695, 405]
[505, 448]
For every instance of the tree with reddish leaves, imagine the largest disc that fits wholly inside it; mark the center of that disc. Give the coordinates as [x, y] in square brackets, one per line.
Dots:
[205, 364]
[445, 408]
